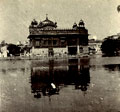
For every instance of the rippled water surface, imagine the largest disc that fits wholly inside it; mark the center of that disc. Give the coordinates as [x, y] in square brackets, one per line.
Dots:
[70, 85]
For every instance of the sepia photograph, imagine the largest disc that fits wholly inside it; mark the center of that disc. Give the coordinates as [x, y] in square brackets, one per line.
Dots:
[59, 55]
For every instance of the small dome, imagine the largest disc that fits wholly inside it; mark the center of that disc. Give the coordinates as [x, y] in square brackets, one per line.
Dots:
[40, 24]
[34, 22]
[81, 23]
[75, 25]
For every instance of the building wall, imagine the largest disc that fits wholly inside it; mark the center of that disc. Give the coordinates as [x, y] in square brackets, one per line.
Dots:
[96, 47]
[60, 51]
[81, 50]
[39, 51]
[85, 49]
[44, 42]
[45, 51]
[59, 42]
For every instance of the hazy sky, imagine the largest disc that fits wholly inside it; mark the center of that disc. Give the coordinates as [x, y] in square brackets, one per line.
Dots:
[100, 16]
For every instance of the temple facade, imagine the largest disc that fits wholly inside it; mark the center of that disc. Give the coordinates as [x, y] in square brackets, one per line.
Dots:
[47, 40]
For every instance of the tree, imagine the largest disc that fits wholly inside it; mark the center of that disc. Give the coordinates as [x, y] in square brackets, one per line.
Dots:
[110, 46]
[13, 50]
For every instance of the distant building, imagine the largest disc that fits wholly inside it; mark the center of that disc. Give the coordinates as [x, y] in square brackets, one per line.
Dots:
[95, 46]
[47, 40]
[4, 51]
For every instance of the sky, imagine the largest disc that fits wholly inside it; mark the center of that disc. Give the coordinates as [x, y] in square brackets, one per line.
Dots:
[100, 16]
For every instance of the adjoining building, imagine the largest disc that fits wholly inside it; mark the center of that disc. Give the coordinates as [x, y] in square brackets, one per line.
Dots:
[95, 46]
[47, 40]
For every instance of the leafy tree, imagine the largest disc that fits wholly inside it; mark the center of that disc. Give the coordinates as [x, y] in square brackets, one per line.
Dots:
[13, 50]
[110, 46]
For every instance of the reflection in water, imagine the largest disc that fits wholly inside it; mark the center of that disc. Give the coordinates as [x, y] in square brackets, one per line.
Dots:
[112, 67]
[42, 81]
[65, 81]
[48, 80]
[82, 79]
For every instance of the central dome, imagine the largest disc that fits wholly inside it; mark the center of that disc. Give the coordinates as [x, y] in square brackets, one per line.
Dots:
[47, 23]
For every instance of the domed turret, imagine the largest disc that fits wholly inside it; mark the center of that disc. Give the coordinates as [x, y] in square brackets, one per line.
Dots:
[75, 26]
[81, 23]
[40, 24]
[34, 22]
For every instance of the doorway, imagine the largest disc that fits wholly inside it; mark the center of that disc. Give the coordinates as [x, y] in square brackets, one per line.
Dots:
[72, 50]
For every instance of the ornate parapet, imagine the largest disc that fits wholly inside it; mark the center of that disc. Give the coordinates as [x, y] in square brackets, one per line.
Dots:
[37, 31]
